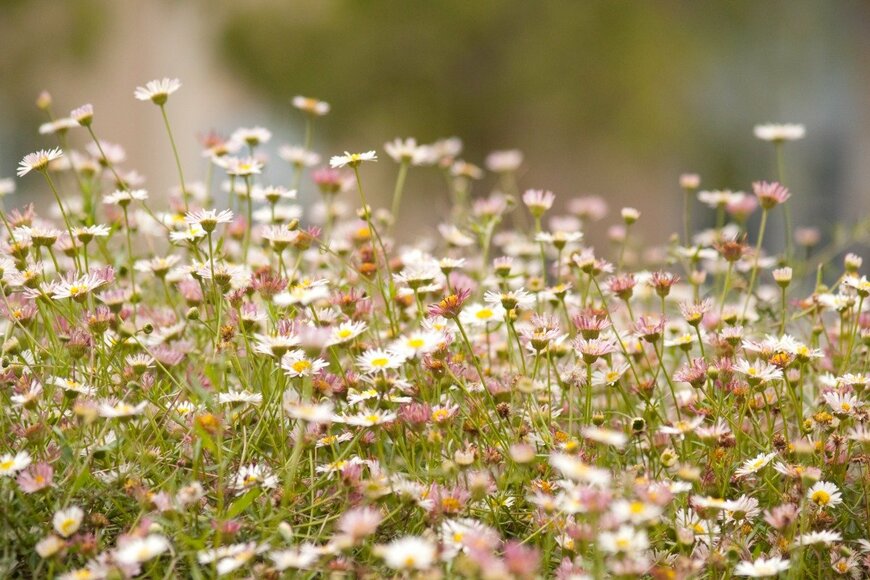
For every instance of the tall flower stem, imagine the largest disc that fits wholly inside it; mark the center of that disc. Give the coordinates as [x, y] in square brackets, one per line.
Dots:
[64, 215]
[787, 209]
[249, 216]
[398, 190]
[387, 297]
[215, 293]
[130, 259]
[687, 215]
[175, 154]
[755, 261]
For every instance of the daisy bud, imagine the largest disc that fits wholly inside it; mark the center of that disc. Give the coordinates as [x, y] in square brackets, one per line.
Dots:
[690, 181]
[522, 453]
[698, 277]
[286, 531]
[503, 266]
[43, 101]
[807, 237]
[51, 544]
[782, 276]
[630, 215]
[84, 115]
[638, 425]
[668, 457]
[852, 263]
[192, 314]
[148, 328]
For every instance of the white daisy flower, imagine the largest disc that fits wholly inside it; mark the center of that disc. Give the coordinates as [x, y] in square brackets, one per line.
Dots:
[38, 161]
[352, 159]
[779, 132]
[377, 360]
[157, 91]
[296, 364]
[311, 106]
[138, 550]
[752, 465]
[408, 553]
[762, 567]
[824, 494]
[12, 464]
[66, 522]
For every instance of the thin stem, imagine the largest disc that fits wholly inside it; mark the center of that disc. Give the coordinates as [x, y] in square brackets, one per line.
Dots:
[755, 262]
[399, 189]
[175, 154]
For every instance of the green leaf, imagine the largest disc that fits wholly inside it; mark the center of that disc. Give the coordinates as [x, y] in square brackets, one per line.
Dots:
[243, 502]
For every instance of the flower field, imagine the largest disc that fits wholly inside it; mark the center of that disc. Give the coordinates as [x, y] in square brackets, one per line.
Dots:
[248, 379]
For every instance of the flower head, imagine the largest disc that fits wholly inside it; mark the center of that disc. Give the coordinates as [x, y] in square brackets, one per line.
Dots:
[778, 133]
[352, 159]
[38, 161]
[157, 91]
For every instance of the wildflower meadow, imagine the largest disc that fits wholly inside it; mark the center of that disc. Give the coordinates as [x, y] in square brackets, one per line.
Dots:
[248, 379]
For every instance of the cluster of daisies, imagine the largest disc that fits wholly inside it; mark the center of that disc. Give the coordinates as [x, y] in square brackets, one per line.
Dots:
[239, 378]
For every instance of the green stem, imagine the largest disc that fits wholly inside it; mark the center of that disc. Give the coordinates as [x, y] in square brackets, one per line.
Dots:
[175, 154]
[755, 262]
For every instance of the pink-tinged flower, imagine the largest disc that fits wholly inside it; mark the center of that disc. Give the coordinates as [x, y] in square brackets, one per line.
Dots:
[695, 373]
[538, 201]
[359, 523]
[594, 348]
[591, 323]
[521, 561]
[37, 478]
[38, 161]
[451, 306]
[589, 208]
[770, 194]
[694, 312]
[78, 289]
[649, 328]
[311, 106]
[622, 285]
[661, 282]
[504, 161]
[782, 516]
[329, 181]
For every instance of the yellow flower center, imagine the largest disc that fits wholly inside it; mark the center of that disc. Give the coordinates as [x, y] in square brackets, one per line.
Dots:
[67, 525]
[484, 314]
[416, 342]
[636, 507]
[821, 497]
[301, 366]
[6, 465]
[380, 361]
[450, 504]
[440, 415]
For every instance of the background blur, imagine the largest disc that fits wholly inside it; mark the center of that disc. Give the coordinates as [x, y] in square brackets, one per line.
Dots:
[609, 97]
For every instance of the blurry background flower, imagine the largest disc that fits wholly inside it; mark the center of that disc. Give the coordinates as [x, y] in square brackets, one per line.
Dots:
[613, 99]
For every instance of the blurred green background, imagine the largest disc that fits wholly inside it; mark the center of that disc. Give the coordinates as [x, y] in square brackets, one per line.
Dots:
[612, 97]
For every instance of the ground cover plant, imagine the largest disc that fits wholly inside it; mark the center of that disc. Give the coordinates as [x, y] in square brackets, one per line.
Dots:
[230, 383]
